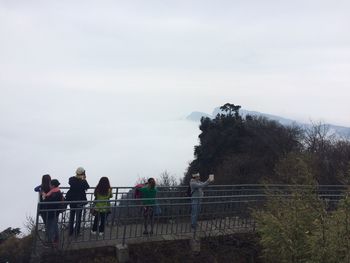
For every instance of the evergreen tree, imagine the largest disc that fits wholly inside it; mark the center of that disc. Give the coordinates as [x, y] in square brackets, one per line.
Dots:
[240, 150]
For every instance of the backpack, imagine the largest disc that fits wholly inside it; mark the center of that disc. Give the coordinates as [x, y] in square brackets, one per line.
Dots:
[189, 191]
[137, 192]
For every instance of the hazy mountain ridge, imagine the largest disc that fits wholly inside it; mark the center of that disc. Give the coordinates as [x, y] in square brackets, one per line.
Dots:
[333, 129]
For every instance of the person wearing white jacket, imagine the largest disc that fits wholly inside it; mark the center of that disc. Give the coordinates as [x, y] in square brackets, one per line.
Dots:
[196, 194]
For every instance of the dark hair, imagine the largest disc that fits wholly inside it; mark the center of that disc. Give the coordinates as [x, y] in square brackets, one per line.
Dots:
[45, 183]
[103, 186]
[151, 182]
[55, 182]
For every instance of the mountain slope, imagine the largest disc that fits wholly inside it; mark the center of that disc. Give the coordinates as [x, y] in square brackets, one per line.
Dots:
[340, 131]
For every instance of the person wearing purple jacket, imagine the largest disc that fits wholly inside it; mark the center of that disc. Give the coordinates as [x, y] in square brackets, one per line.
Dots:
[43, 188]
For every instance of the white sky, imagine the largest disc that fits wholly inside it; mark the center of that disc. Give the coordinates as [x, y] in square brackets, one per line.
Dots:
[106, 84]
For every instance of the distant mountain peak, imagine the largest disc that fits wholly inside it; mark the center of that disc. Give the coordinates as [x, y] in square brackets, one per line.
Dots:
[334, 129]
[197, 115]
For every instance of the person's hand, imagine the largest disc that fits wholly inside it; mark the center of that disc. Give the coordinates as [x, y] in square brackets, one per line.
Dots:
[211, 178]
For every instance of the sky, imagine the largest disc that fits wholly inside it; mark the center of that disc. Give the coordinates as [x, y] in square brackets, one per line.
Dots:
[107, 84]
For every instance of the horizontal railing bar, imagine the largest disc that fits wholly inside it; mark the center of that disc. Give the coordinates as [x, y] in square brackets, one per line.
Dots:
[178, 198]
[232, 186]
[224, 207]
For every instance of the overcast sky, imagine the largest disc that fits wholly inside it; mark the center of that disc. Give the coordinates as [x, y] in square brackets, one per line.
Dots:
[107, 84]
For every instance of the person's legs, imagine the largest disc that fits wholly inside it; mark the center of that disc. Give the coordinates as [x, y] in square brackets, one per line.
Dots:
[151, 218]
[71, 220]
[103, 216]
[55, 231]
[50, 222]
[78, 219]
[43, 217]
[195, 212]
[96, 220]
[145, 219]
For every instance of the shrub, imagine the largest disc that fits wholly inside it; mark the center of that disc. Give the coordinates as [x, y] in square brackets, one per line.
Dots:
[16, 249]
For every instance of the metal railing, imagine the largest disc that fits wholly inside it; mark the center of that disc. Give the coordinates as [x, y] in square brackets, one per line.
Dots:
[224, 209]
[120, 193]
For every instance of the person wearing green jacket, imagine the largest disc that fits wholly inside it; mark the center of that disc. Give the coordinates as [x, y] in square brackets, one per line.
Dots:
[103, 192]
[148, 195]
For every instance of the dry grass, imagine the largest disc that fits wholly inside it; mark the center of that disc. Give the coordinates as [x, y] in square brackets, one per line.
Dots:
[16, 249]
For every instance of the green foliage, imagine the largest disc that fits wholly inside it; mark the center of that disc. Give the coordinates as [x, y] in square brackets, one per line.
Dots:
[295, 168]
[255, 149]
[285, 227]
[241, 150]
[339, 232]
[301, 228]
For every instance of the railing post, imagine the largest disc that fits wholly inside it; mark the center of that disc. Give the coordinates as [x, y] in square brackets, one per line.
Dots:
[34, 254]
[124, 230]
[115, 205]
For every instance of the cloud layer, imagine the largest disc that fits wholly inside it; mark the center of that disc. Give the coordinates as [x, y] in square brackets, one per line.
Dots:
[105, 85]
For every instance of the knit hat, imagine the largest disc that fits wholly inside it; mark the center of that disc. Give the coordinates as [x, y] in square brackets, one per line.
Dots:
[55, 182]
[80, 171]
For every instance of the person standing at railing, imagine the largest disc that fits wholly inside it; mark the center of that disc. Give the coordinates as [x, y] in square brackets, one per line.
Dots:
[53, 211]
[77, 192]
[103, 192]
[148, 195]
[43, 189]
[196, 194]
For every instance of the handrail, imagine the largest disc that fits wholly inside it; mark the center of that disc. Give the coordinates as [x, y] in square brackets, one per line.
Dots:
[224, 208]
[178, 198]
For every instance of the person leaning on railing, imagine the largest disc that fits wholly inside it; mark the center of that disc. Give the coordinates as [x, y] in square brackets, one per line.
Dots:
[44, 188]
[148, 195]
[196, 194]
[103, 192]
[53, 210]
[77, 192]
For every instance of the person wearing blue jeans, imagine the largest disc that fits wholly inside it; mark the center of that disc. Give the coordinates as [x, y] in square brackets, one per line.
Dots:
[196, 195]
[53, 207]
[52, 229]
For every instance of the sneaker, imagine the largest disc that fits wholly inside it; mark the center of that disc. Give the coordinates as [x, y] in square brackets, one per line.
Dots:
[100, 234]
[93, 232]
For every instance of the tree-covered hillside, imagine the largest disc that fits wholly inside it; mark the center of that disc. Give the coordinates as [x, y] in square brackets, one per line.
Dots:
[254, 149]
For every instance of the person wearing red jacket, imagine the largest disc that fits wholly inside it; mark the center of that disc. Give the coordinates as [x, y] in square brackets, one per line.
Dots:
[53, 210]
